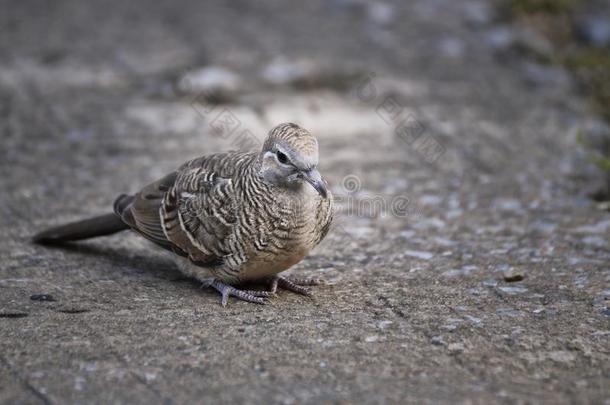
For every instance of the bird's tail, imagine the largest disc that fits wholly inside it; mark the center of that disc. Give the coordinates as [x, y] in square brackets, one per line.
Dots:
[89, 228]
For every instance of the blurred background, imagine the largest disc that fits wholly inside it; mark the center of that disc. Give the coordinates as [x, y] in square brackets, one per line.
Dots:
[468, 147]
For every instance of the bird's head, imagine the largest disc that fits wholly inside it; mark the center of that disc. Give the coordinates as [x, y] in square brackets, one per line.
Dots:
[290, 157]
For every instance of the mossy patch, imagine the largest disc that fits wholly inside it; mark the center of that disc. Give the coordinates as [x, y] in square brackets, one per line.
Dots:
[555, 20]
[592, 67]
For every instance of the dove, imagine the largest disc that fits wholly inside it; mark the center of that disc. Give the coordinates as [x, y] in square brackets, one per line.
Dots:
[229, 218]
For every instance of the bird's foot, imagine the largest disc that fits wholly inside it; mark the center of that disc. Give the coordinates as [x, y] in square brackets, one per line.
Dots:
[226, 291]
[296, 285]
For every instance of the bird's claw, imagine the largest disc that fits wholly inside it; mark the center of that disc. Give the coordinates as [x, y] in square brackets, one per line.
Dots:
[226, 291]
[296, 285]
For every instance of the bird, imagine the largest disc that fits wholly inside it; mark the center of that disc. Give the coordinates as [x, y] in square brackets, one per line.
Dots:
[229, 218]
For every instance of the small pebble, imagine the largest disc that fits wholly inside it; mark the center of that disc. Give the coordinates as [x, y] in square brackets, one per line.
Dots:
[490, 282]
[455, 348]
[419, 254]
[511, 275]
[384, 324]
[438, 340]
[371, 339]
[212, 81]
[473, 319]
[449, 327]
[513, 290]
[284, 72]
[43, 297]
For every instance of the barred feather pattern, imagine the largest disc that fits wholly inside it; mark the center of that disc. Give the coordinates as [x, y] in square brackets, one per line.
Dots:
[227, 220]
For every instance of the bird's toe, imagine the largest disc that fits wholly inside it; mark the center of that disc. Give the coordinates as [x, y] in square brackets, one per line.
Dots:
[226, 291]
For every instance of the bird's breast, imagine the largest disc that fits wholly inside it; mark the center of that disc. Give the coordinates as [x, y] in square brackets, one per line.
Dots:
[288, 238]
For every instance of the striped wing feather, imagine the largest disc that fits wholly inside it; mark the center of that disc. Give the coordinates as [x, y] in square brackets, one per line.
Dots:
[197, 214]
[189, 212]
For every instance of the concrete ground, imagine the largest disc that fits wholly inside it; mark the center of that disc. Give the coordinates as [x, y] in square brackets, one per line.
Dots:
[455, 165]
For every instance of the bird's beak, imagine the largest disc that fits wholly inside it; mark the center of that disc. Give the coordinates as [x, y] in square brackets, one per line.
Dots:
[314, 178]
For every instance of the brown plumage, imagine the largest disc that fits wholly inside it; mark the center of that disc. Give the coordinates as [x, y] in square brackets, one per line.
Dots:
[230, 217]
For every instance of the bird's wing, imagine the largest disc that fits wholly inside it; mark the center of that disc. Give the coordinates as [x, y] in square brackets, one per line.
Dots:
[189, 212]
[198, 214]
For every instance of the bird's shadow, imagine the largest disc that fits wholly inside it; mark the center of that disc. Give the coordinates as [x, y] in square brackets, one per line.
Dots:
[155, 265]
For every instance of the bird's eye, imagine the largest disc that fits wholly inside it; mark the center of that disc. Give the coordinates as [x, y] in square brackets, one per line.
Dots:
[283, 159]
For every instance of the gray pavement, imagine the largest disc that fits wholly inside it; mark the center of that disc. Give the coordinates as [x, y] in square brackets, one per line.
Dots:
[453, 166]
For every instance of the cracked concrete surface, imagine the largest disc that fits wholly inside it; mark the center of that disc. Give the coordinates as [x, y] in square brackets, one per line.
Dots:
[416, 310]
